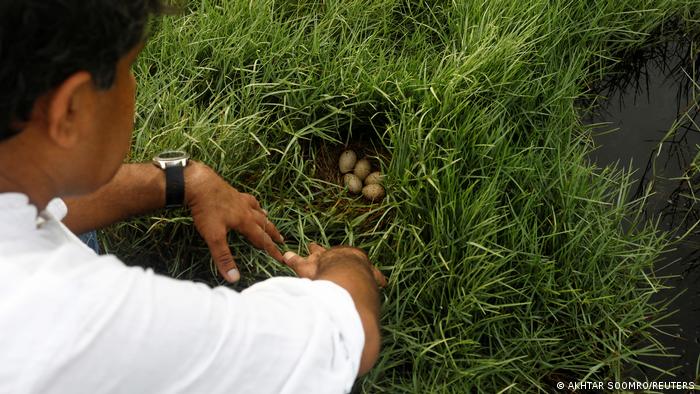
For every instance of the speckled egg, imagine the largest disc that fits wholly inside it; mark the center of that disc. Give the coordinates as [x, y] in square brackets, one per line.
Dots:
[347, 161]
[374, 178]
[374, 192]
[353, 183]
[362, 169]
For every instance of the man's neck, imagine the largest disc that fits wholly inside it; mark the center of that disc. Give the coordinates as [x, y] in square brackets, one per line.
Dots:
[23, 173]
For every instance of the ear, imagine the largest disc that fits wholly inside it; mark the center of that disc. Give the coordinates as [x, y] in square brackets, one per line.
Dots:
[67, 108]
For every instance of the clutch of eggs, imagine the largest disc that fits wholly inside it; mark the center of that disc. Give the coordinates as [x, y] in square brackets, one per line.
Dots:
[361, 171]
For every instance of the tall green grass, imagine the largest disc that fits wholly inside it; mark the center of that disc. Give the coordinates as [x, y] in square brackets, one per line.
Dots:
[513, 262]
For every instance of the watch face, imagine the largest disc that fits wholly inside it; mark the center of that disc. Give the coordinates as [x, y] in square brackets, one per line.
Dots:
[171, 158]
[172, 155]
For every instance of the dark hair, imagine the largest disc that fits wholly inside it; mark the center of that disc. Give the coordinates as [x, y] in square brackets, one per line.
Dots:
[43, 42]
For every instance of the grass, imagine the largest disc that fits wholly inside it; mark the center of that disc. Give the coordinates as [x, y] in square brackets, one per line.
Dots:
[514, 263]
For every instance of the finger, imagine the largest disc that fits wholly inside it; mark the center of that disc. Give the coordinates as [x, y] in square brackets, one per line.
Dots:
[271, 248]
[268, 228]
[259, 237]
[273, 232]
[292, 259]
[301, 266]
[259, 218]
[359, 253]
[254, 229]
[379, 277]
[316, 248]
[221, 254]
[252, 201]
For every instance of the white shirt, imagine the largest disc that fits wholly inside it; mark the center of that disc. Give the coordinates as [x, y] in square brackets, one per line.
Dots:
[75, 322]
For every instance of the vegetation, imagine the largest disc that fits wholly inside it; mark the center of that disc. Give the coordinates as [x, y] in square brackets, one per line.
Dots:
[514, 263]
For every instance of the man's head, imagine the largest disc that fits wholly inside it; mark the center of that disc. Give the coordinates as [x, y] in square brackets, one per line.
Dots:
[66, 88]
[43, 42]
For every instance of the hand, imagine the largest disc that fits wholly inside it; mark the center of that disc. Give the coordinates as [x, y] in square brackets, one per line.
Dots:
[217, 207]
[308, 267]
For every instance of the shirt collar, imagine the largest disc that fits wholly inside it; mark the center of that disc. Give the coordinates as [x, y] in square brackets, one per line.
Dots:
[19, 216]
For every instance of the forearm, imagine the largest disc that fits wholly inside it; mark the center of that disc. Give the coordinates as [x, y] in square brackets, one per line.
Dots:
[135, 190]
[357, 279]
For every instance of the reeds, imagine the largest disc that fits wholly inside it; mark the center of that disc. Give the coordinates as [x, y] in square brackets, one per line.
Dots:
[509, 264]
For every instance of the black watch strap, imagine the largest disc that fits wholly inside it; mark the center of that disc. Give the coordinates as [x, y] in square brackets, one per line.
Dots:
[174, 186]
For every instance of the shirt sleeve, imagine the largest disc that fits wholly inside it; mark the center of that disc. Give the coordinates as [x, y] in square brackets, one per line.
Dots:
[129, 330]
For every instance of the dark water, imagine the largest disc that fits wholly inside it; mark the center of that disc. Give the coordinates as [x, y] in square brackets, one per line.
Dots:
[640, 116]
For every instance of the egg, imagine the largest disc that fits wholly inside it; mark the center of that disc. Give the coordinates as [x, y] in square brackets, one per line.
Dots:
[353, 183]
[374, 178]
[374, 192]
[362, 169]
[347, 161]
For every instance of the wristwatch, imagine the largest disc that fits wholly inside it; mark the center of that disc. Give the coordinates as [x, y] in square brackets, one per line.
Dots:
[173, 162]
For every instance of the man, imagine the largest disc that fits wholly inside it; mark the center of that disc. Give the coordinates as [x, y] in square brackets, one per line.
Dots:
[72, 321]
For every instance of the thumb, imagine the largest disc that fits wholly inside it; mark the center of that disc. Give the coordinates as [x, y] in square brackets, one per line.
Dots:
[292, 259]
[301, 266]
[221, 254]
